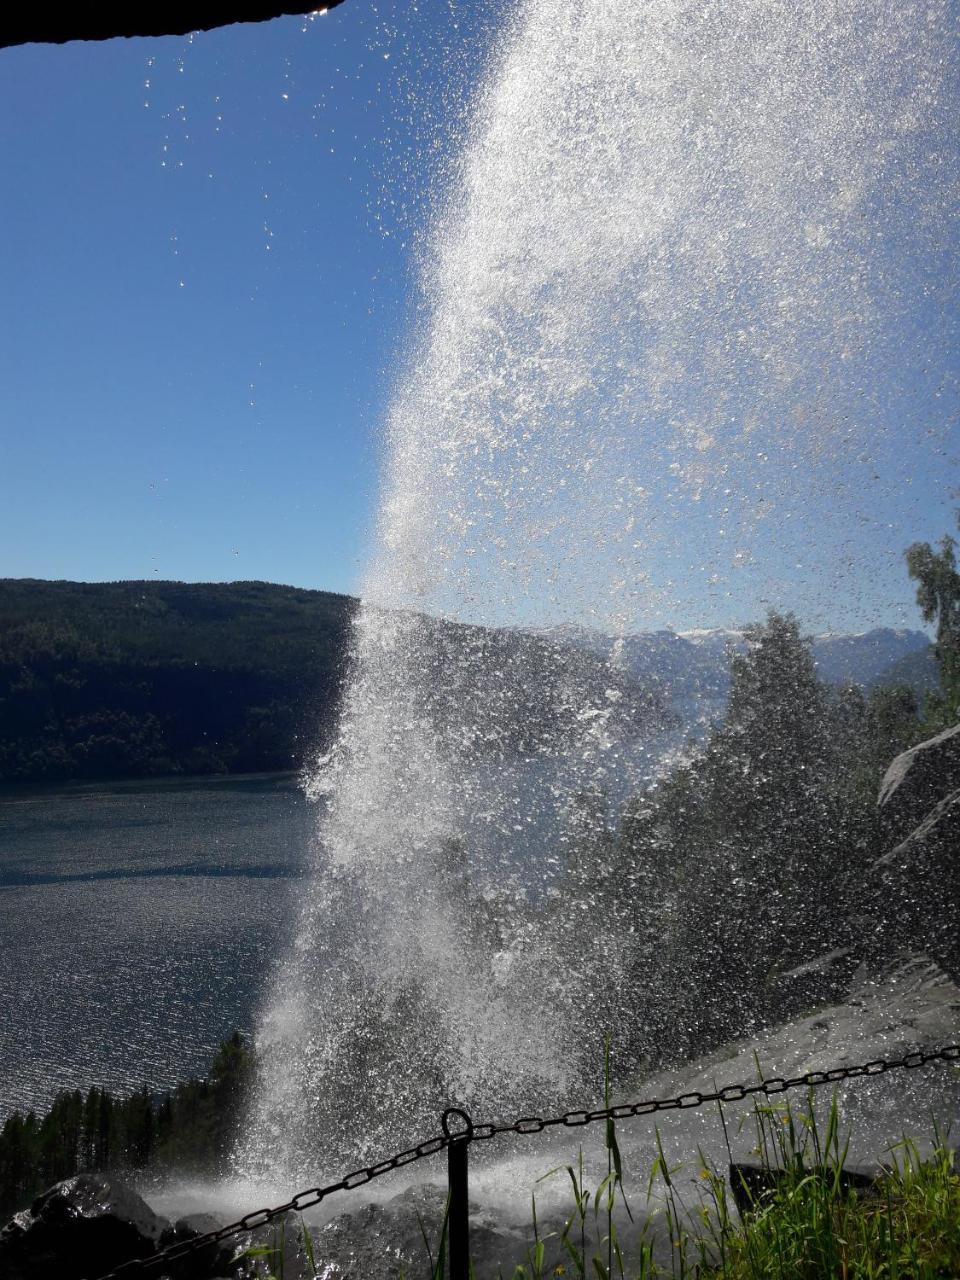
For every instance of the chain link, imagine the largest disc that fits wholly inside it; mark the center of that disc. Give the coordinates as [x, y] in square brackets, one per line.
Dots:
[261, 1217]
[529, 1125]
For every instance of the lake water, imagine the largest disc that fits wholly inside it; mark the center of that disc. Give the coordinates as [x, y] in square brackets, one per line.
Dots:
[138, 922]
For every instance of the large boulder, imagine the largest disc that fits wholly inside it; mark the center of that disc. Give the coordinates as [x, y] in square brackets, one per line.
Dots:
[398, 1237]
[79, 1230]
[86, 1226]
[755, 1184]
[206, 1262]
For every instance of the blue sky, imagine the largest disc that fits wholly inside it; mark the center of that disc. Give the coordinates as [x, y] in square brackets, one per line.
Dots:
[205, 268]
[206, 257]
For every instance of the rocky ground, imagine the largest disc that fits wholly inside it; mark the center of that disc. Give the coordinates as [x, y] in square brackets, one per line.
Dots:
[390, 1229]
[911, 1005]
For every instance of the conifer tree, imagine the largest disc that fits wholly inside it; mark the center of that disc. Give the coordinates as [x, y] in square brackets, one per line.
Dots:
[938, 595]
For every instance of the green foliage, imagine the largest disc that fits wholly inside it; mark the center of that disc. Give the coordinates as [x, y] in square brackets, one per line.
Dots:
[134, 679]
[938, 595]
[811, 1224]
[727, 862]
[814, 1226]
[191, 1129]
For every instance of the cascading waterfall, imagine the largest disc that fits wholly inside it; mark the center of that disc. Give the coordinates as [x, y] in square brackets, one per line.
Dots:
[678, 304]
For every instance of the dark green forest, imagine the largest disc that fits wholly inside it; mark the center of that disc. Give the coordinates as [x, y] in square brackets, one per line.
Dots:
[154, 679]
[189, 1129]
[138, 679]
[756, 855]
[749, 879]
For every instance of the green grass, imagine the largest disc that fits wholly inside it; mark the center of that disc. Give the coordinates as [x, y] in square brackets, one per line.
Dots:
[809, 1224]
[812, 1226]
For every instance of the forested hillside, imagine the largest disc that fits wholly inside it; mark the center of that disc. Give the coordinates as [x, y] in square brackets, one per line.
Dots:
[146, 679]
[191, 1128]
[131, 679]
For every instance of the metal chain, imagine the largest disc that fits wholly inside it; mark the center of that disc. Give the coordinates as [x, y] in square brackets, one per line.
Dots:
[529, 1125]
[729, 1093]
[260, 1217]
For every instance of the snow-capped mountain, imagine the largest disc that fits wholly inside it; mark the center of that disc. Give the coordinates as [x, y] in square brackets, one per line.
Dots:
[696, 663]
[865, 658]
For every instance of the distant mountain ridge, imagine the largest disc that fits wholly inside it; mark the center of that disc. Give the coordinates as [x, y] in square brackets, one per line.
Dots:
[696, 662]
[140, 679]
[146, 679]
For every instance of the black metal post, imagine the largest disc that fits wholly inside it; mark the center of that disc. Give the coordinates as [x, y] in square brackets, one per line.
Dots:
[458, 1210]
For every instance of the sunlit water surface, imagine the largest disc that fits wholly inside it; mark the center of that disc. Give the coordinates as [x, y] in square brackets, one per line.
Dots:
[136, 921]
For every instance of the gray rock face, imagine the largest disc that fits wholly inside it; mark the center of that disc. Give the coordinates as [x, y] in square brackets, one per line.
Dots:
[385, 1241]
[78, 1230]
[925, 771]
[400, 1238]
[86, 1226]
[919, 878]
[209, 1260]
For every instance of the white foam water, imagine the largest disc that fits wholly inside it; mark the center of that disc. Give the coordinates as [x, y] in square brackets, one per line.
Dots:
[684, 291]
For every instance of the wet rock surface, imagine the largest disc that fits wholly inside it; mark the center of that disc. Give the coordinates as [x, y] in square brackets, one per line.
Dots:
[210, 1260]
[919, 878]
[398, 1239]
[402, 1235]
[79, 1229]
[753, 1184]
[911, 1004]
[86, 1226]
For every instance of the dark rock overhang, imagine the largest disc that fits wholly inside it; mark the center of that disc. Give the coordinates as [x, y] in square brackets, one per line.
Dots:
[57, 24]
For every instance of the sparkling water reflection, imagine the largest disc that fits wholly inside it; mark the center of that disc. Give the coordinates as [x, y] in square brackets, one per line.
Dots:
[135, 924]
